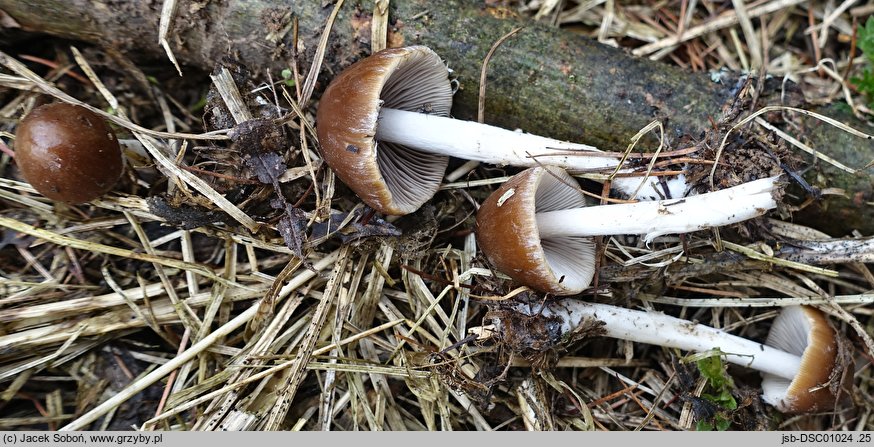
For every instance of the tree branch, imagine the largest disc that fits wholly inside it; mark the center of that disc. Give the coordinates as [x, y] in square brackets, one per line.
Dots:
[543, 80]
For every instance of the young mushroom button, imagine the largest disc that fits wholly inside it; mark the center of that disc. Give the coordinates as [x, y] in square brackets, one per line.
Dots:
[384, 128]
[67, 153]
[537, 229]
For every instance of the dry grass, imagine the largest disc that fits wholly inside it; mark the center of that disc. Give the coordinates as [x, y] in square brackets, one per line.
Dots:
[114, 315]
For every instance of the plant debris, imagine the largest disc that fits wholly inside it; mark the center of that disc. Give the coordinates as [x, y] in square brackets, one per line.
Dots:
[231, 282]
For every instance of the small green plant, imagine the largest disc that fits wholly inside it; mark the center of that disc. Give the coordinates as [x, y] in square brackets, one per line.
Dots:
[287, 77]
[865, 42]
[718, 393]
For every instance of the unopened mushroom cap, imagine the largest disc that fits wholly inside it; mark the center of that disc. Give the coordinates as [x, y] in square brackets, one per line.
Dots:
[822, 380]
[506, 231]
[390, 178]
[67, 153]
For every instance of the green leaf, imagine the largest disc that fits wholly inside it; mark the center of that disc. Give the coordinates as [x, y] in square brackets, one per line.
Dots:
[728, 401]
[704, 426]
[865, 42]
[724, 399]
[199, 105]
[865, 38]
[287, 77]
[865, 83]
[722, 423]
[713, 369]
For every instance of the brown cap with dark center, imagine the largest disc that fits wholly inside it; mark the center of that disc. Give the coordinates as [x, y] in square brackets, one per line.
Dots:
[506, 231]
[68, 153]
[390, 178]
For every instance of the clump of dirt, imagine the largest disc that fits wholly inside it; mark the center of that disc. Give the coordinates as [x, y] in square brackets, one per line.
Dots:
[742, 151]
[536, 338]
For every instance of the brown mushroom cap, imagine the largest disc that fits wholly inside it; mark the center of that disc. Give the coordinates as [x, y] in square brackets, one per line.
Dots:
[67, 153]
[390, 178]
[822, 380]
[506, 231]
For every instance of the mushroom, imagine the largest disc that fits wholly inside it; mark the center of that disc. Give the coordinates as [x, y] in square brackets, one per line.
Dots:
[537, 229]
[806, 332]
[384, 128]
[67, 153]
[798, 361]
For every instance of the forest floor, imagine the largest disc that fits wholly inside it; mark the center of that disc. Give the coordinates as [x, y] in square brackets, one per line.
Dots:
[206, 293]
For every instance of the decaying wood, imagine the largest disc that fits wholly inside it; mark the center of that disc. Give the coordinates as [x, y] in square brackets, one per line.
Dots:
[543, 80]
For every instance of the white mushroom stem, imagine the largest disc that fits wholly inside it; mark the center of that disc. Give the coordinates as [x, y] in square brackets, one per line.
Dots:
[470, 140]
[655, 218]
[658, 329]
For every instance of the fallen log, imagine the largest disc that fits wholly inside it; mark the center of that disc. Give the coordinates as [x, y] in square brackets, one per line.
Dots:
[544, 79]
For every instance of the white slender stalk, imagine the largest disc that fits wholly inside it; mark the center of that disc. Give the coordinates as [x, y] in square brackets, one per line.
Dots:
[655, 218]
[658, 329]
[470, 140]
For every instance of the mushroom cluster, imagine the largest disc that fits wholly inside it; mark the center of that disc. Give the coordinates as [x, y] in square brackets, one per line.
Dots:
[384, 128]
[68, 153]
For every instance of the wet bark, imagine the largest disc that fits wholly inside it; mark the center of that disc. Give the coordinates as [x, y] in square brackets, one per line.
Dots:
[544, 80]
